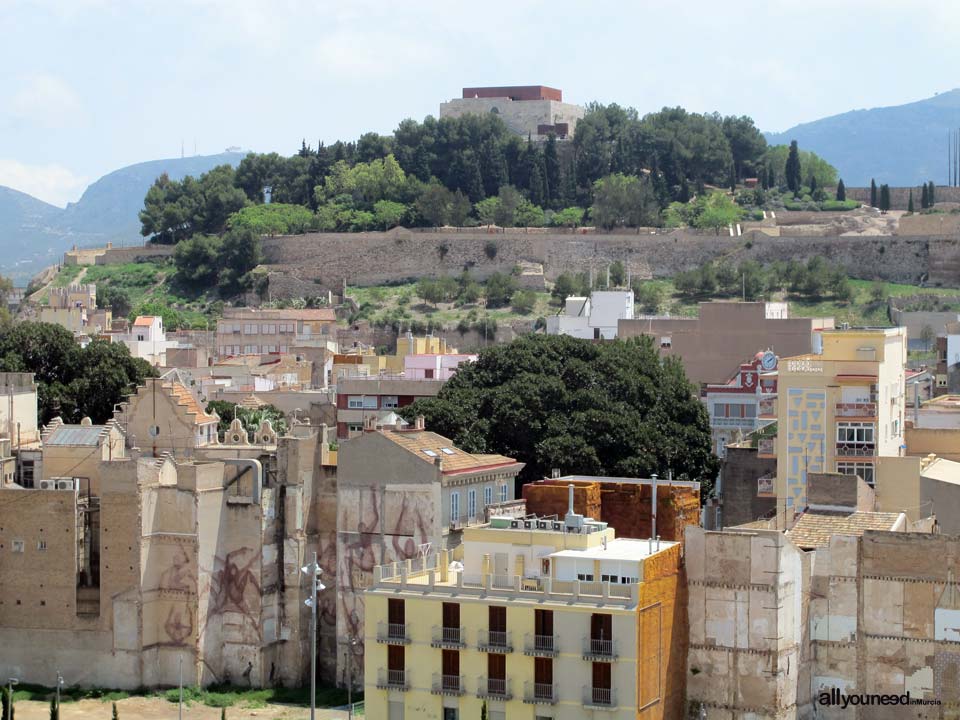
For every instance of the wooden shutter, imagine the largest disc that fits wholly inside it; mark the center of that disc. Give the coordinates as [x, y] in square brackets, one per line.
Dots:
[451, 662]
[498, 618]
[543, 670]
[395, 611]
[601, 675]
[496, 666]
[601, 626]
[451, 615]
[543, 622]
[395, 657]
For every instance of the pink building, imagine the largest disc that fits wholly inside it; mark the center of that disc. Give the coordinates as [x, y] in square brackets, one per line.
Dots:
[744, 403]
[433, 366]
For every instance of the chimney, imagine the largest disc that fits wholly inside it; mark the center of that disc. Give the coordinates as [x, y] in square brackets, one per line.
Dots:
[555, 474]
[438, 463]
[418, 422]
[570, 499]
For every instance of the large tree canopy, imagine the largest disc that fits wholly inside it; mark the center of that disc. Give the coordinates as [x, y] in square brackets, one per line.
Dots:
[72, 382]
[614, 409]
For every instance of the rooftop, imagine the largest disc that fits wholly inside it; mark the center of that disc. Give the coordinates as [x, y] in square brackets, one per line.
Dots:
[186, 399]
[325, 314]
[76, 435]
[814, 530]
[144, 321]
[618, 549]
[429, 446]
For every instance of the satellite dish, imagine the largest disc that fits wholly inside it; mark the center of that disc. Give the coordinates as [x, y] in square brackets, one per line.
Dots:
[154, 430]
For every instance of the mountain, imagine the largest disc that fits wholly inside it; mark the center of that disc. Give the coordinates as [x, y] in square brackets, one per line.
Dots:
[34, 233]
[899, 145]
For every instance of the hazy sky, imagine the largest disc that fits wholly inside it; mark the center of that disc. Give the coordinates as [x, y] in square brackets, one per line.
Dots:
[87, 86]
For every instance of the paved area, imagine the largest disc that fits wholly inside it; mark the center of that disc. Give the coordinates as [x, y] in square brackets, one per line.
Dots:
[139, 708]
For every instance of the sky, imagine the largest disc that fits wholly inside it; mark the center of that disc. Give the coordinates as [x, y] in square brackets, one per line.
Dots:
[89, 86]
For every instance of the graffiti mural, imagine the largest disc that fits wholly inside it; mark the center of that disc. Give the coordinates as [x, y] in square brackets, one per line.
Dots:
[235, 588]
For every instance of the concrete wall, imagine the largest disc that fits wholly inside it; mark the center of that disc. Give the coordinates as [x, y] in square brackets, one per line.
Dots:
[900, 196]
[742, 467]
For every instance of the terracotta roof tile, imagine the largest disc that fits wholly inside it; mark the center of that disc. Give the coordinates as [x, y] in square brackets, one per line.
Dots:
[143, 320]
[185, 398]
[813, 530]
[428, 446]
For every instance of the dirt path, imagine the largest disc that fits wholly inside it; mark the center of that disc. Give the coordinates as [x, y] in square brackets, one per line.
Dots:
[154, 708]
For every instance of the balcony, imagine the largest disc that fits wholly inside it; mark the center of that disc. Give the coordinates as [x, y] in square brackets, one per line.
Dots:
[540, 645]
[447, 637]
[744, 423]
[857, 410]
[393, 679]
[447, 685]
[768, 407]
[535, 693]
[393, 633]
[601, 650]
[494, 688]
[767, 447]
[495, 641]
[856, 450]
[599, 698]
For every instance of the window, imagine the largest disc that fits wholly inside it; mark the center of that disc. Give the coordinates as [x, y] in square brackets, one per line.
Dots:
[362, 402]
[454, 506]
[895, 428]
[472, 503]
[431, 453]
[451, 714]
[608, 578]
[585, 577]
[855, 433]
[18, 546]
[503, 493]
[666, 341]
[250, 328]
[864, 470]
[41, 544]
[487, 496]
[354, 427]
[447, 451]
[428, 374]
[269, 329]
[390, 401]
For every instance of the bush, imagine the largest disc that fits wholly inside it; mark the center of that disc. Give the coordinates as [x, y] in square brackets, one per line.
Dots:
[839, 205]
[523, 301]
[648, 295]
[490, 249]
[500, 290]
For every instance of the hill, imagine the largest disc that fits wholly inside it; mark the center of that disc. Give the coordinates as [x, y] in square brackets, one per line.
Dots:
[34, 233]
[899, 145]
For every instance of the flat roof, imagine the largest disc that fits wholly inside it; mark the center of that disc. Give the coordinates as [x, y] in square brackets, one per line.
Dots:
[618, 549]
[86, 435]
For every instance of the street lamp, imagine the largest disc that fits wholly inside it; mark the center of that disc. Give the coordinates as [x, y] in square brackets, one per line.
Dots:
[10, 683]
[59, 683]
[351, 644]
[313, 571]
[180, 701]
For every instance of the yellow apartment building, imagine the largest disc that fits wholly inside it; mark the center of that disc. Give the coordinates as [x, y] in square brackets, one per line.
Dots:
[540, 618]
[839, 410]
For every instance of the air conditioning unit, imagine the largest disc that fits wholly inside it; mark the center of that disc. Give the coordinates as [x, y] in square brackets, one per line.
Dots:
[543, 525]
[66, 484]
[515, 524]
[528, 524]
[556, 525]
[48, 484]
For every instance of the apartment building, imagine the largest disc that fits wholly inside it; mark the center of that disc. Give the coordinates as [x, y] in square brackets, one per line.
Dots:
[744, 403]
[839, 410]
[75, 308]
[362, 399]
[250, 331]
[713, 344]
[401, 493]
[594, 317]
[539, 618]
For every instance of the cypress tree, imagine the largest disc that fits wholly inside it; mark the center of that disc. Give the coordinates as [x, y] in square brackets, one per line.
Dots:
[771, 177]
[54, 710]
[841, 191]
[930, 195]
[873, 193]
[813, 183]
[551, 169]
[910, 204]
[733, 179]
[884, 197]
[792, 168]
[924, 197]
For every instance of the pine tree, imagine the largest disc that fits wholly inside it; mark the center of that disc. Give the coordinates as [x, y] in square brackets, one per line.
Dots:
[930, 195]
[910, 203]
[841, 191]
[792, 168]
[873, 193]
[924, 197]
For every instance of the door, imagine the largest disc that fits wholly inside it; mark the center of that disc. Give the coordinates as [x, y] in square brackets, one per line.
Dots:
[450, 664]
[496, 667]
[395, 611]
[451, 622]
[543, 622]
[500, 564]
[601, 626]
[497, 618]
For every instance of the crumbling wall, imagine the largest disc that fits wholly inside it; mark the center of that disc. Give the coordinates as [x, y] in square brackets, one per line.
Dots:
[552, 497]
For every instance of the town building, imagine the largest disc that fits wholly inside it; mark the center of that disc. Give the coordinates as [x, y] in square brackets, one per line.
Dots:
[594, 317]
[744, 403]
[537, 617]
[839, 410]
[533, 111]
[181, 549]
[428, 358]
[18, 408]
[147, 339]
[746, 485]
[250, 331]
[75, 308]
[623, 503]
[713, 344]
[402, 493]
[361, 399]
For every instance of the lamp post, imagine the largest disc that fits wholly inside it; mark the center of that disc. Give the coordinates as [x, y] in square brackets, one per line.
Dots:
[59, 683]
[313, 571]
[180, 702]
[10, 683]
[350, 646]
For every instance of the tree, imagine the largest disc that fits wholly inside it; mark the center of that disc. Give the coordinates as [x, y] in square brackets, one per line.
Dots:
[459, 208]
[618, 273]
[523, 301]
[505, 213]
[623, 201]
[570, 217]
[554, 401]
[273, 219]
[434, 205]
[884, 197]
[792, 168]
[500, 289]
[924, 197]
[54, 709]
[563, 287]
[752, 279]
[873, 193]
[841, 191]
[718, 212]
[388, 214]
[251, 417]
[648, 295]
[878, 291]
[931, 193]
[910, 202]
[488, 210]
[116, 715]
[115, 298]
[551, 169]
[239, 252]
[928, 336]
[197, 261]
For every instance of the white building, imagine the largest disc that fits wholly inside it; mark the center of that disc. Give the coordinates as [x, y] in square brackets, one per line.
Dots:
[593, 318]
[148, 340]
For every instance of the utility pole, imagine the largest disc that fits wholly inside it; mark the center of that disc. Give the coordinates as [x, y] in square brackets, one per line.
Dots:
[314, 571]
[59, 683]
[352, 644]
[180, 703]
[10, 683]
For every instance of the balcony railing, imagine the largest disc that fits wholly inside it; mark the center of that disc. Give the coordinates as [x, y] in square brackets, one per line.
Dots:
[539, 693]
[744, 423]
[393, 633]
[447, 685]
[599, 697]
[766, 446]
[496, 688]
[448, 637]
[498, 641]
[596, 649]
[768, 407]
[540, 645]
[393, 679]
[859, 409]
[856, 450]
